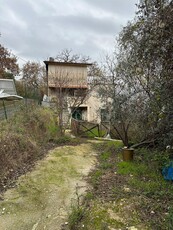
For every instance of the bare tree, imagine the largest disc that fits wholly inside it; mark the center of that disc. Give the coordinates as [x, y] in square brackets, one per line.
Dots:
[124, 104]
[67, 55]
[68, 93]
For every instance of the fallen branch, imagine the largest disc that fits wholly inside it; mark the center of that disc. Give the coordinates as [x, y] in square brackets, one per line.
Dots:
[142, 143]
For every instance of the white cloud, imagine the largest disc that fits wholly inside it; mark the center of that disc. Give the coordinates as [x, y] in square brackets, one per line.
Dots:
[36, 29]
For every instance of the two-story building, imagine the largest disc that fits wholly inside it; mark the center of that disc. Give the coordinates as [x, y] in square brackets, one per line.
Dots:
[68, 86]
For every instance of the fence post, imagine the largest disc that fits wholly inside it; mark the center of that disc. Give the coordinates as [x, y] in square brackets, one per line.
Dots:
[5, 111]
[98, 130]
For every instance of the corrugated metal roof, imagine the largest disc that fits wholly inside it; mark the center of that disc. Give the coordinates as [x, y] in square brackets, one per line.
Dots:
[9, 97]
[8, 86]
[8, 90]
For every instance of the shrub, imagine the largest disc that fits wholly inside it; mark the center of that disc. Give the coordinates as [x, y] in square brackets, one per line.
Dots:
[38, 123]
[16, 151]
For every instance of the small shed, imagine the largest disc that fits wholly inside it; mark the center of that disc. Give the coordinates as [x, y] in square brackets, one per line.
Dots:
[8, 92]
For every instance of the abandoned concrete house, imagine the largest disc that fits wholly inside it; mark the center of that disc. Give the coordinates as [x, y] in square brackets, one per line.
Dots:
[68, 84]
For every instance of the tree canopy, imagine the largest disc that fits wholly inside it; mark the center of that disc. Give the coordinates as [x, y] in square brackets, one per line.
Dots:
[34, 77]
[8, 63]
[143, 70]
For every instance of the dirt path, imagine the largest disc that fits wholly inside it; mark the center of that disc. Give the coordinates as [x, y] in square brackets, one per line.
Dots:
[42, 198]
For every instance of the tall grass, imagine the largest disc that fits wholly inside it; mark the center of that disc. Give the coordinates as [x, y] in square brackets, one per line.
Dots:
[22, 138]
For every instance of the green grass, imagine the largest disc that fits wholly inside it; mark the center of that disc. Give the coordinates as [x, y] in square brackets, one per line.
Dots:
[108, 146]
[89, 196]
[95, 177]
[99, 218]
[145, 180]
[148, 191]
[75, 216]
[169, 219]
[105, 156]
[116, 144]
[104, 161]
[127, 168]
[107, 149]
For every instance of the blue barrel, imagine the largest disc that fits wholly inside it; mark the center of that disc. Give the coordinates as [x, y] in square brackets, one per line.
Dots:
[168, 171]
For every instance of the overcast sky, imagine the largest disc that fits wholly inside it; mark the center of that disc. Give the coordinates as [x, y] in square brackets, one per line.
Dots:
[38, 29]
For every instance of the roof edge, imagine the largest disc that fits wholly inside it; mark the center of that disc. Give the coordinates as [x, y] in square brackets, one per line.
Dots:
[68, 63]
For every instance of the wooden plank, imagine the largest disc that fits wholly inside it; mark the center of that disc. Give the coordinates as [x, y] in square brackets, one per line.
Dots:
[88, 130]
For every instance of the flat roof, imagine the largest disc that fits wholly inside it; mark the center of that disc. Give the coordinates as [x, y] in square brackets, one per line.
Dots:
[67, 63]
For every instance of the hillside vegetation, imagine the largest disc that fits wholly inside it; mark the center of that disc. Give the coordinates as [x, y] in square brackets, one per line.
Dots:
[24, 139]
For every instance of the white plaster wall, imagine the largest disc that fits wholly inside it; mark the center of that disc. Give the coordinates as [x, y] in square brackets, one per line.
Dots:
[94, 104]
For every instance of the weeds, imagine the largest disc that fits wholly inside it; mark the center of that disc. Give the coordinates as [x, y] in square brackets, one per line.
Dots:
[170, 219]
[95, 177]
[89, 196]
[127, 168]
[140, 193]
[105, 156]
[22, 139]
[77, 211]
[106, 165]
[152, 157]
[145, 179]
[75, 217]
[62, 140]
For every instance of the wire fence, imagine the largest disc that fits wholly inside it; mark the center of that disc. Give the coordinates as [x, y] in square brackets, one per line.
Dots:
[9, 110]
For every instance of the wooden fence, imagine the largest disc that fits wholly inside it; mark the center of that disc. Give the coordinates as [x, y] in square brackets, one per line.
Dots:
[84, 128]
